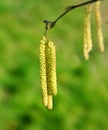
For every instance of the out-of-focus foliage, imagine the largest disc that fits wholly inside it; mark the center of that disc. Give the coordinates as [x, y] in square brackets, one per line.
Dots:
[82, 100]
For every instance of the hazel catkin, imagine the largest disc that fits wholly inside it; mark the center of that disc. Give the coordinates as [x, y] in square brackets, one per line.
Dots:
[99, 28]
[53, 81]
[48, 71]
[87, 32]
[43, 81]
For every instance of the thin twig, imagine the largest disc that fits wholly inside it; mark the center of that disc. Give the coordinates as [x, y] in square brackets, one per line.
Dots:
[51, 24]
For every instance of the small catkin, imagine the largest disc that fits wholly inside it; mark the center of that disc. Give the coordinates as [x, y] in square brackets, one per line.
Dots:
[87, 33]
[99, 29]
[43, 71]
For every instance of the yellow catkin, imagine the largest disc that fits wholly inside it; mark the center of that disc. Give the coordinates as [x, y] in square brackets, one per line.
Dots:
[50, 101]
[48, 68]
[86, 53]
[51, 68]
[87, 32]
[99, 29]
[43, 71]
[48, 71]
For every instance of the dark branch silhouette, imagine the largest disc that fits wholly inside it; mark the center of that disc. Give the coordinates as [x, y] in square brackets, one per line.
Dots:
[51, 24]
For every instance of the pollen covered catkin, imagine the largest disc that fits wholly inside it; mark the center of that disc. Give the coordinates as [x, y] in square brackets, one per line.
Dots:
[99, 28]
[48, 68]
[43, 71]
[87, 32]
[48, 71]
[53, 68]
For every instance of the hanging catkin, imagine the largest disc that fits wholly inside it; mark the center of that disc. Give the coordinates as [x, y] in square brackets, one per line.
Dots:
[48, 71]
[87, 32]
[43, 70]
[99, 28]
[53, 68]
[48, 68]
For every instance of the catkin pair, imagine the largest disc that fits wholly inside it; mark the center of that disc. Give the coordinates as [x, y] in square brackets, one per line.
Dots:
[87, 29]
[48, 71]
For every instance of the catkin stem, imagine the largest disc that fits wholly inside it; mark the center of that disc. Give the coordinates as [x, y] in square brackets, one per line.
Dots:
[99, 28]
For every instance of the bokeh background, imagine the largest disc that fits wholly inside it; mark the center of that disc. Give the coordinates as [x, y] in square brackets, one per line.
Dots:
[82, 100]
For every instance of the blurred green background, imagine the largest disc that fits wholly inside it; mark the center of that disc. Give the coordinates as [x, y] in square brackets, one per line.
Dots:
[82, 100]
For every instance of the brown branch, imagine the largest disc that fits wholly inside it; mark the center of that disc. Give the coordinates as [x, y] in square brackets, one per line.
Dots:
[51, 24]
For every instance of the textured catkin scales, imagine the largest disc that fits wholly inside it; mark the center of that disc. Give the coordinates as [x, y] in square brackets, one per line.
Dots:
[99, 29]
[48, 68]
[43, 71]
[51, 72]
[50, 101]
[53, 68]
[87, 32]
[48, 71]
